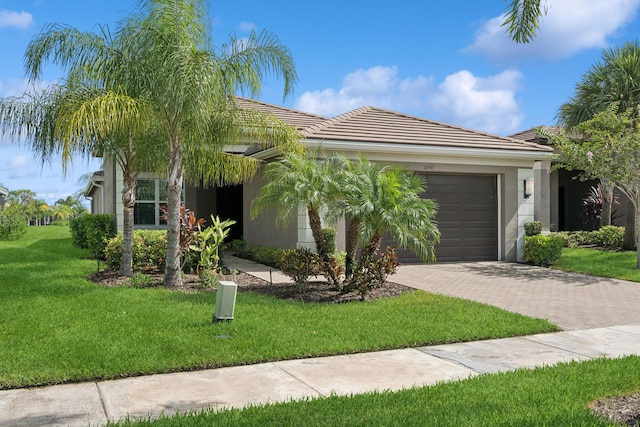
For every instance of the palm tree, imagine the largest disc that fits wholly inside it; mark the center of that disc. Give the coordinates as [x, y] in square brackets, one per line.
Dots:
[95, 110]
[191, 89]
[300, 180]
[377, 199]
[521, 19]
[157, 79]
[613, 81]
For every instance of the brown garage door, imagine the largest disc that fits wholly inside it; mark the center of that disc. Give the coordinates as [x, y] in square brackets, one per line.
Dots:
[467, 218]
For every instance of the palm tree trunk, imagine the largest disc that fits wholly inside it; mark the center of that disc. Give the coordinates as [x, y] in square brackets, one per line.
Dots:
[128, 202]
[369, 251]
[172, 275]
[351, 247]
[316, 229]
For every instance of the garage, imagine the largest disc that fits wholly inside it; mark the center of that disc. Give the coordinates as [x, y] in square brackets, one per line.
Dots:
[467, 218]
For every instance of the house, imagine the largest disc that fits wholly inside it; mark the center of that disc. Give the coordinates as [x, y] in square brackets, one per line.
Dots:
[483, 183]
[564, 210]
[3, 194]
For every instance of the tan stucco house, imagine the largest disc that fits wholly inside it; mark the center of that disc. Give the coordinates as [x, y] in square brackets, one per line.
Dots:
[483, 183]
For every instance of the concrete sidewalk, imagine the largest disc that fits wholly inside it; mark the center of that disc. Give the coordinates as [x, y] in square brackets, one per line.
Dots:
[96, 402]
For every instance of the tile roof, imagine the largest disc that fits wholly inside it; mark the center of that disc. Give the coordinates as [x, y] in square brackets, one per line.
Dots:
[372, 124]
[532, 136]
[297, 119]
[377, 125]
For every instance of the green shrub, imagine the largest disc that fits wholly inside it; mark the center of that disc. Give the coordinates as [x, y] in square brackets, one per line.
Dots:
[13, 223]
[92, 232]
[610, 237]
[262, 254]
[299, 264]
[329, 237]
[542, 250]
[149, 250]
[374, 274]
[532, 228]
[139, 280]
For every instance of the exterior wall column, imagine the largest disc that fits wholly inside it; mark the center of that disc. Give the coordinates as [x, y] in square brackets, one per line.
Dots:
[305, 236]
[542, 194]
[525, 208]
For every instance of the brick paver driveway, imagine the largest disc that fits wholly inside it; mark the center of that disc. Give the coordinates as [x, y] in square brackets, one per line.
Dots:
[571, 301]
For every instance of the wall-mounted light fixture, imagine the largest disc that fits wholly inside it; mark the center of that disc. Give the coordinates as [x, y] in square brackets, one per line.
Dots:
[528, 188]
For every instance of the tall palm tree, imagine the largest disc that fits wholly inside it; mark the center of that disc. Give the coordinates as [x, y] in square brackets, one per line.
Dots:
[191, 89]
[95, 110]
[613, 81]
[158, 78]
[300, 179]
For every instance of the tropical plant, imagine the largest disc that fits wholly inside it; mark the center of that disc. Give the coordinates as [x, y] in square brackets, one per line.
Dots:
[301, 180]
[374, 199]
[190, 87]
[96, 109]
[208, 241]
[378, 199]
[594, 204]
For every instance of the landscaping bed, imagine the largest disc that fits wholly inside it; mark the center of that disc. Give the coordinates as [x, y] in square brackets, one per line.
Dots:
[316, 291]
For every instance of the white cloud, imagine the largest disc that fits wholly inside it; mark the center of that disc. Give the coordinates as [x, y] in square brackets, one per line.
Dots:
[568, 27]
[487, 104]
[11, 18]
[379, 86]
[17, 167]
[246, 26]
[483, 103]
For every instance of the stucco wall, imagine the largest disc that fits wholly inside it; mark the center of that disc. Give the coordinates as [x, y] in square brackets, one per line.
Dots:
[263, 230]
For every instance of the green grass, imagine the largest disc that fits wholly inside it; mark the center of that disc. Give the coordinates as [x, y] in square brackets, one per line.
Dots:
[619, 265]
[57, 327]
[548, 396]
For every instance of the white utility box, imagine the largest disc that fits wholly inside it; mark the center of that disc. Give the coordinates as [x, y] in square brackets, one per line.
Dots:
[225, 300]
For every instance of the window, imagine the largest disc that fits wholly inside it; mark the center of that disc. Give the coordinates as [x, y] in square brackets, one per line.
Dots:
[150, 195]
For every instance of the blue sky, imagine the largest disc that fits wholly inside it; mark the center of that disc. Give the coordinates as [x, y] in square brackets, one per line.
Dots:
[445, 61]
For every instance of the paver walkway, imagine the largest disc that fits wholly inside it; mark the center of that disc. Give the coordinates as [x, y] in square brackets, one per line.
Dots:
[571, 301]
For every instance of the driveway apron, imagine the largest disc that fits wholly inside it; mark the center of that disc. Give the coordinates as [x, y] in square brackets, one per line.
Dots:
[569, 300]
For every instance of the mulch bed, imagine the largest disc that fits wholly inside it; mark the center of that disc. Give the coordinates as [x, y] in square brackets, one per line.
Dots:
[315, 292]
[622, 409]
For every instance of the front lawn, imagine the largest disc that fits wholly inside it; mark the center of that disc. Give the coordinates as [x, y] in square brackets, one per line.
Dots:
[619, 265]
[547, 396]
[57, 327]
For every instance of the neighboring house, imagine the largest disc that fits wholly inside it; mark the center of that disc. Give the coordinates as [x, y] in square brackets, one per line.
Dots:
[3, 194]
[478, 180]
[566, 191]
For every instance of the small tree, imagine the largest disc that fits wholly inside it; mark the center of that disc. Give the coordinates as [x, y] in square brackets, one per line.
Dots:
[609, 148]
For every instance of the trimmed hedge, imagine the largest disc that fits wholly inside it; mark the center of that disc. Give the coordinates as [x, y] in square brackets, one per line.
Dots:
[607, 237]
[532, 228]
[149, 250]
[542, 250]
[91, 232]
